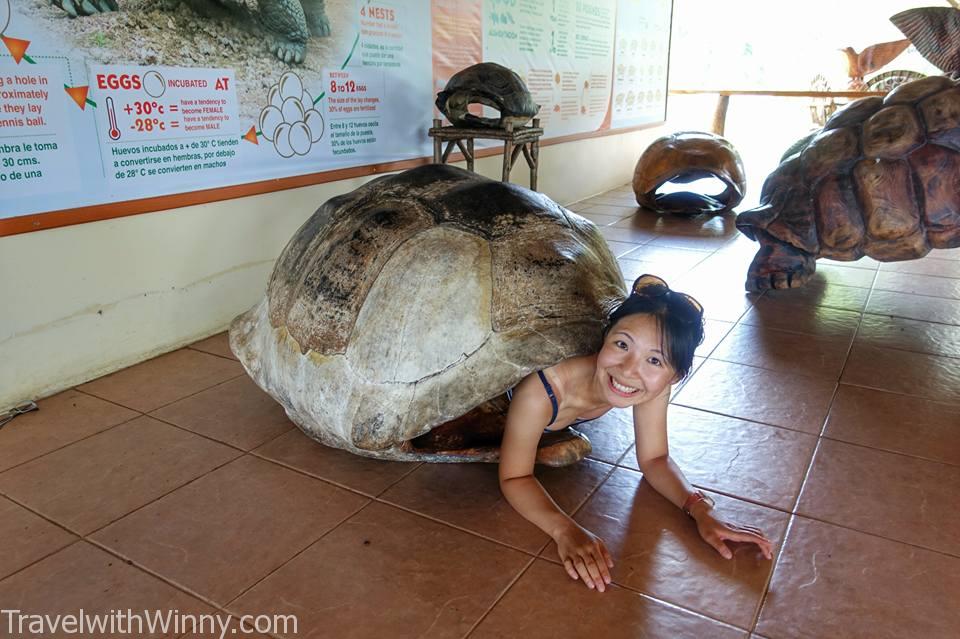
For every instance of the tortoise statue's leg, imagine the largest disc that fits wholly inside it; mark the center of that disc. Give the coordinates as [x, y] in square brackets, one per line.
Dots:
[287, 27]
[316, 14]
[76, 8]
[779, 265]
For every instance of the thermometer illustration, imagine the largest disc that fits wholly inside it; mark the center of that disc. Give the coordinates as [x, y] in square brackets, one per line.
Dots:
[114, 131]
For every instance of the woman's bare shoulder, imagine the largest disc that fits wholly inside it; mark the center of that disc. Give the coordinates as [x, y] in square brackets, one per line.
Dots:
[571, 373]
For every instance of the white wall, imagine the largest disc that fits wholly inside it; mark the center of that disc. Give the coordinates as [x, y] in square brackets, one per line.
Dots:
[82, 301]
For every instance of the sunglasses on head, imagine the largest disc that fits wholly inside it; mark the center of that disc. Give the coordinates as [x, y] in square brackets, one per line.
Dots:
[687, 308]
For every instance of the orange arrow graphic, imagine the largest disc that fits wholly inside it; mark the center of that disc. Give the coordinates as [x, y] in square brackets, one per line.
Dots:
[251, 135]
[79, 95]
[17, 47]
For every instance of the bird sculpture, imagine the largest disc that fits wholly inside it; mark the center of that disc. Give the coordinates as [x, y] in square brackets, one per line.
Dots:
[870, 60]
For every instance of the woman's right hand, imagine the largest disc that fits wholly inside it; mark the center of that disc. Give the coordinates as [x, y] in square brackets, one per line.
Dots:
[584, 556]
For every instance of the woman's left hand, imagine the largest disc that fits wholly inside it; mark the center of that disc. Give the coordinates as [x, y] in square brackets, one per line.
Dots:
[716, 532]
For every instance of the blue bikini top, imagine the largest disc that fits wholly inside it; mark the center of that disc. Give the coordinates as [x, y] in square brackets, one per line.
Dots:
[553, 402]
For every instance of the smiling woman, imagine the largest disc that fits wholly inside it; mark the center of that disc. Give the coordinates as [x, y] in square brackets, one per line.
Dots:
[648, 346]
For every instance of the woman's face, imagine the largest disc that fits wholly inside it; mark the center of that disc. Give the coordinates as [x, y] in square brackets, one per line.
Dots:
[631, 366]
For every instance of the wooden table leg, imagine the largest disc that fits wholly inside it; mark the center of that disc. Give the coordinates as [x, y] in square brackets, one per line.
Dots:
[535, 156]
[437, 144]
[446, 151]
[528, 156]
[720, 115]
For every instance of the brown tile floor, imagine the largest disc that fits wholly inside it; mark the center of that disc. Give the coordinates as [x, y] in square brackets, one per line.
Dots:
[830, 416]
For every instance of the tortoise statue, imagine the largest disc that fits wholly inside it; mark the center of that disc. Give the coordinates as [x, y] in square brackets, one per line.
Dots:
[398, 310]
[493, 85]
[288, 22]
[682, 158]
[882, 178]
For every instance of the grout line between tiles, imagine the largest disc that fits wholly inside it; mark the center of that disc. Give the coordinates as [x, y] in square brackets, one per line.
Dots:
[766, 587]
[778, 329]
[243, 373]
[327, 480]
[679, 607]
[300, 552]
[911, 350]
[667, 602]
[159, 497]
[206, 388]
[126, 560]
[574, 511]
[215, 440]
[898, 316]
[183, 588]
[130, 562]
[726, 493]
[743, 419]
[896, 292]
[49, 554]
[200, 350]
[902, 394]
[808, 375]
[157, 575]
[401, 478]
[877, 536]
[682, 609]
[806, 475]
[540, 549]
[449, 524]
[892, 452]
[502, 594]
[643, 595]
[67, 445]
[102, 399]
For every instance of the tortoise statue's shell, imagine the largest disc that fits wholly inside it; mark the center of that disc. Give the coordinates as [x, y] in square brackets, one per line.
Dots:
[419, 296]
[685, 157]
[493, 85]
[882, 179]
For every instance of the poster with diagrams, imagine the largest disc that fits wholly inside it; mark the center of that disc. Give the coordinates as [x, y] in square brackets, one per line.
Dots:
[163, 98]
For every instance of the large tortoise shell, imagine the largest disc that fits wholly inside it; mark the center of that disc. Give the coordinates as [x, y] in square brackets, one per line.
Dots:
[685, 157]
[409, 301]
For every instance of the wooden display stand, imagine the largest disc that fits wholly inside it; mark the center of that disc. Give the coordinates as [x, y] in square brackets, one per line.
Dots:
[525, 140]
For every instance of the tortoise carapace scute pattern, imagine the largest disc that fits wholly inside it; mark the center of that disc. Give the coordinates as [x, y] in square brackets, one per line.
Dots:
[418, 298]
[881, 179]
[490, 84]
[682, 158]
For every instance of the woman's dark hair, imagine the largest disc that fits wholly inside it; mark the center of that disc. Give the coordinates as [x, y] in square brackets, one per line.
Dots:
[679, 318]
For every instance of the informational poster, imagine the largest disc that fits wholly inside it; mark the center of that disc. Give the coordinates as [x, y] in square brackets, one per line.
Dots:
[640, 62]
[564, 48]
[166, 98]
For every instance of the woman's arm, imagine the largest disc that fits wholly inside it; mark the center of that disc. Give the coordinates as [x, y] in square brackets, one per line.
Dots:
[653, 450]
[584, 556]
[526, 420]
[653, 457]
